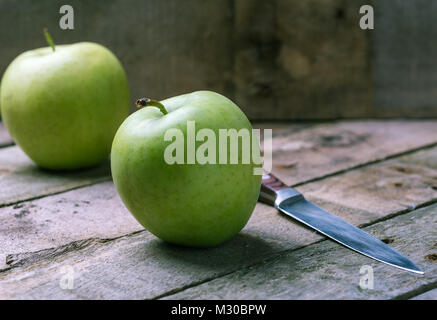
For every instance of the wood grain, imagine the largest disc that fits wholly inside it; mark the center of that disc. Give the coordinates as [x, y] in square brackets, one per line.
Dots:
[90, 212]
[301, 153]
[90, 230]
[328, 271]
[326, 149]
[21, 179]
[391, 186]
[167, 48]
[278, 59]
[140, 266]
[404, 72]
[329, 76]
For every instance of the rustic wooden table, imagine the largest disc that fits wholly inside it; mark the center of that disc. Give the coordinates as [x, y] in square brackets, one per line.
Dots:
[378, 175]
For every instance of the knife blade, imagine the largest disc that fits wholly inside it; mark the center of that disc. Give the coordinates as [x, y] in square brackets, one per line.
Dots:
[292, 203]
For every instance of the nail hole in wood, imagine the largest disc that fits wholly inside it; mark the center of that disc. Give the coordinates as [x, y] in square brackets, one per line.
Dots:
[339, 14]
[431, 257]
[387, 240]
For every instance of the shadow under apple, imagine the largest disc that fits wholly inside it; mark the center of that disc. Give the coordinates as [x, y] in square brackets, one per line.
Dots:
[242, 250]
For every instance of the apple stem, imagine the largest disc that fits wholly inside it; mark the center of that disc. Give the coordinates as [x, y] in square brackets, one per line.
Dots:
[147, 102]
[49, 39]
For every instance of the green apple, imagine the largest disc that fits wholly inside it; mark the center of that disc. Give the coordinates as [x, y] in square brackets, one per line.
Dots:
[63, 105]
[198, 205]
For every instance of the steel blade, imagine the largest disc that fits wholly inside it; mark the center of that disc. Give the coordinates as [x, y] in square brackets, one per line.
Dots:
[344, 233]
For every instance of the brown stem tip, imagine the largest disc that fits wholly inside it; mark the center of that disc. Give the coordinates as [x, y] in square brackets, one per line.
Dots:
[142, 102]
[147, 102]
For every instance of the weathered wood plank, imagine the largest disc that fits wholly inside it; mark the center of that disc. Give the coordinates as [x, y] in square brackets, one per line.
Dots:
[280, 59]
[328, 271]
[90, 212]
[427, 157]
[288, 68]
[301, 153]
[404, 72]
[5, 138]
[391, 186]
[370, 204]
[167, 48]
[329, 76]
[141, 266]
[328, 148]
[429, 295]
[21, 179]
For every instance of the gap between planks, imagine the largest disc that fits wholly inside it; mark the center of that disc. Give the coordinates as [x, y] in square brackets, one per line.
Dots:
[283, 133]
[393, 156]
[98, 181]
[266, 260]
[408, 295]
[246, 274]
[366, 164]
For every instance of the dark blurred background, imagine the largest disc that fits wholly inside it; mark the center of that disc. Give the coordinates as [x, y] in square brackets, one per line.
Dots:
[278, 59]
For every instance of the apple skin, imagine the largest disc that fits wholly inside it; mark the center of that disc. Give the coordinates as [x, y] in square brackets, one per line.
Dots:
[190, 204]
[64, 107]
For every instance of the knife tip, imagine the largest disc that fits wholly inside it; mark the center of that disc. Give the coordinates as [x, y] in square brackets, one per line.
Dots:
[418, 271]
[414, 269]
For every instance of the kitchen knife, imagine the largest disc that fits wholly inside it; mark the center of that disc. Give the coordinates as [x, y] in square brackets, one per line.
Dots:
[291, 202]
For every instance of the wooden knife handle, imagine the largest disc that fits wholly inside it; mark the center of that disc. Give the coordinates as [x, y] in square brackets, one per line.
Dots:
[269, 187]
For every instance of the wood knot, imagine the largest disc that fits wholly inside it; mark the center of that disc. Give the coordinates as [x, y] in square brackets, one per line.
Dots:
[431, 257]
[339, 139]
[387, 240]
[403, 169]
